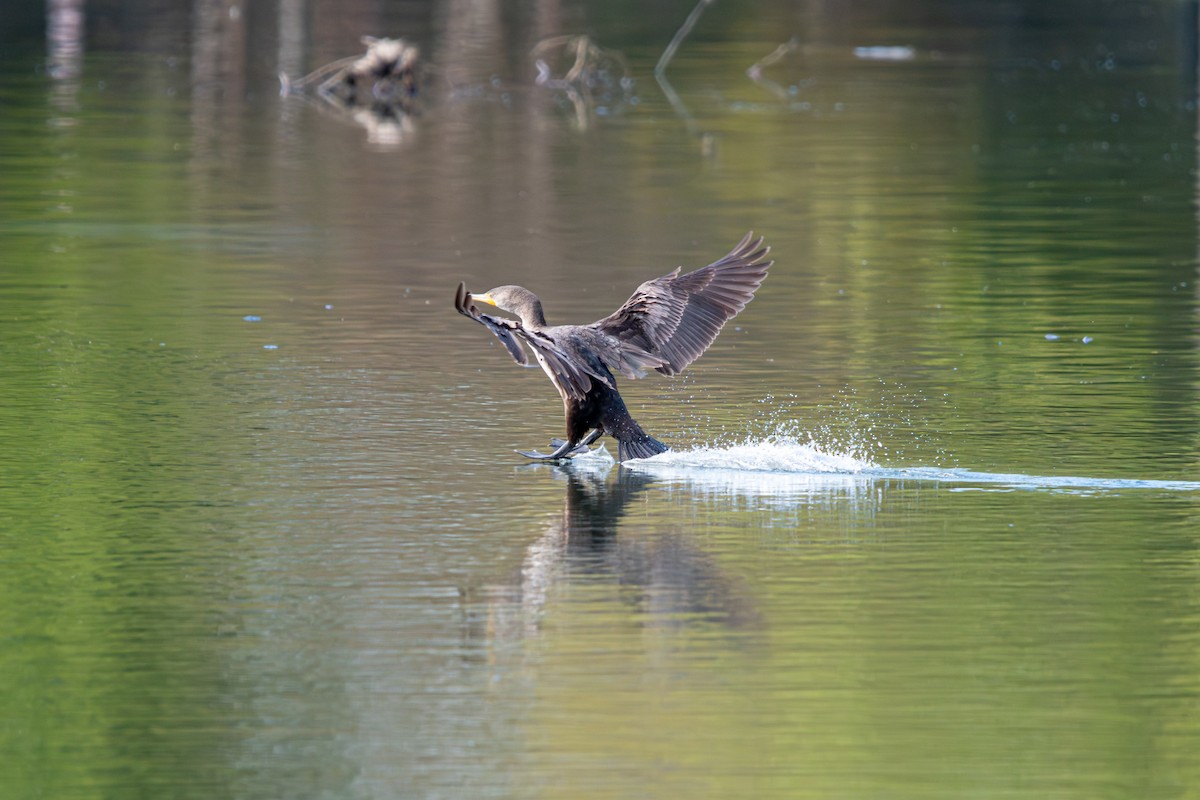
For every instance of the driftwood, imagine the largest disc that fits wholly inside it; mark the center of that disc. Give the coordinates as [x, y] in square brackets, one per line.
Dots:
[377, 90]
[755, 71]
[386, 73]
[592, 67]
[590, 77]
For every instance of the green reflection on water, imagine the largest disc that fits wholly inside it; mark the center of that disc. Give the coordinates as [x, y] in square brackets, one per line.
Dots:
[312, 570]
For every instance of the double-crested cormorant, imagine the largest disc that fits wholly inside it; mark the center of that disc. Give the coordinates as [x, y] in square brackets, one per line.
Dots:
[666, 325]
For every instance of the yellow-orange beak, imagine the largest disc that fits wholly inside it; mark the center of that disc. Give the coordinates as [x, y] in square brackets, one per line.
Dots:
[484, 298]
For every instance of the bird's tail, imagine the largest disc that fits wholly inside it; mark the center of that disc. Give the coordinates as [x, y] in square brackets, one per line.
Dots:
[632, 441]
[639, 445]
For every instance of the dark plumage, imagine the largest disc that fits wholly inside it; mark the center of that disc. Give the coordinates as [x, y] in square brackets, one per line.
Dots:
[665, 325]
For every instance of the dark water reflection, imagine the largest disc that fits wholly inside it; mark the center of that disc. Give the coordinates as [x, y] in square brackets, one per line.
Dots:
[264, 534]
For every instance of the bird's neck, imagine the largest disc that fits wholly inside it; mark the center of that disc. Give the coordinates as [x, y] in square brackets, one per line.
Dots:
[532, 315]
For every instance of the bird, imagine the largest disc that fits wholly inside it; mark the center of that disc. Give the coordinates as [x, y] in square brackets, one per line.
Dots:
[665, 325]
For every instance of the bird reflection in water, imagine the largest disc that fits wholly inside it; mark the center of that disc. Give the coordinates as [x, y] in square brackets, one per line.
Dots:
[667, 579]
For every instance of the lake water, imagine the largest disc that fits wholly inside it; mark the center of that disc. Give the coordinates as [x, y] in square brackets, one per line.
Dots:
[931, 524]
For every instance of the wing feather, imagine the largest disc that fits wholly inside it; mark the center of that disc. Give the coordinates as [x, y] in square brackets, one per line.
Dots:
[677, 317]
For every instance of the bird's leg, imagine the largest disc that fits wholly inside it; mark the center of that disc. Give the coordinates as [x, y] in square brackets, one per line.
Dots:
[582, 447]
[591, 437]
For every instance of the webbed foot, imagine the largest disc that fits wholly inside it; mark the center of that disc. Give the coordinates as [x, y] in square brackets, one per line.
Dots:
[535, 455]
[532, 454]
[563, 448]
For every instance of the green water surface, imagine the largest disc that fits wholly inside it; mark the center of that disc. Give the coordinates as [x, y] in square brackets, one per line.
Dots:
[262, 533]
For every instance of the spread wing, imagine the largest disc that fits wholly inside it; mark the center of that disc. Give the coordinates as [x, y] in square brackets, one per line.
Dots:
[677, 317]
[570, 377]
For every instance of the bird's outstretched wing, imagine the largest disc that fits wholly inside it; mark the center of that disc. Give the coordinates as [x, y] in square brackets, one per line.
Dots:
[678, 316]
[566, 374]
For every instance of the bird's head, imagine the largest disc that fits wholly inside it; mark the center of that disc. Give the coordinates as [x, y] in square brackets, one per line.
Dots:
[515, 300]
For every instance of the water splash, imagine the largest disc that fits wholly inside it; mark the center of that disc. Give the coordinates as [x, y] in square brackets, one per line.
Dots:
[781, 467]
[780, 472]
[775, 454]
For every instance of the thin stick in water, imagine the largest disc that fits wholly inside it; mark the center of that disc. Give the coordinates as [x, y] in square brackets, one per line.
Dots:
[680, 35]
